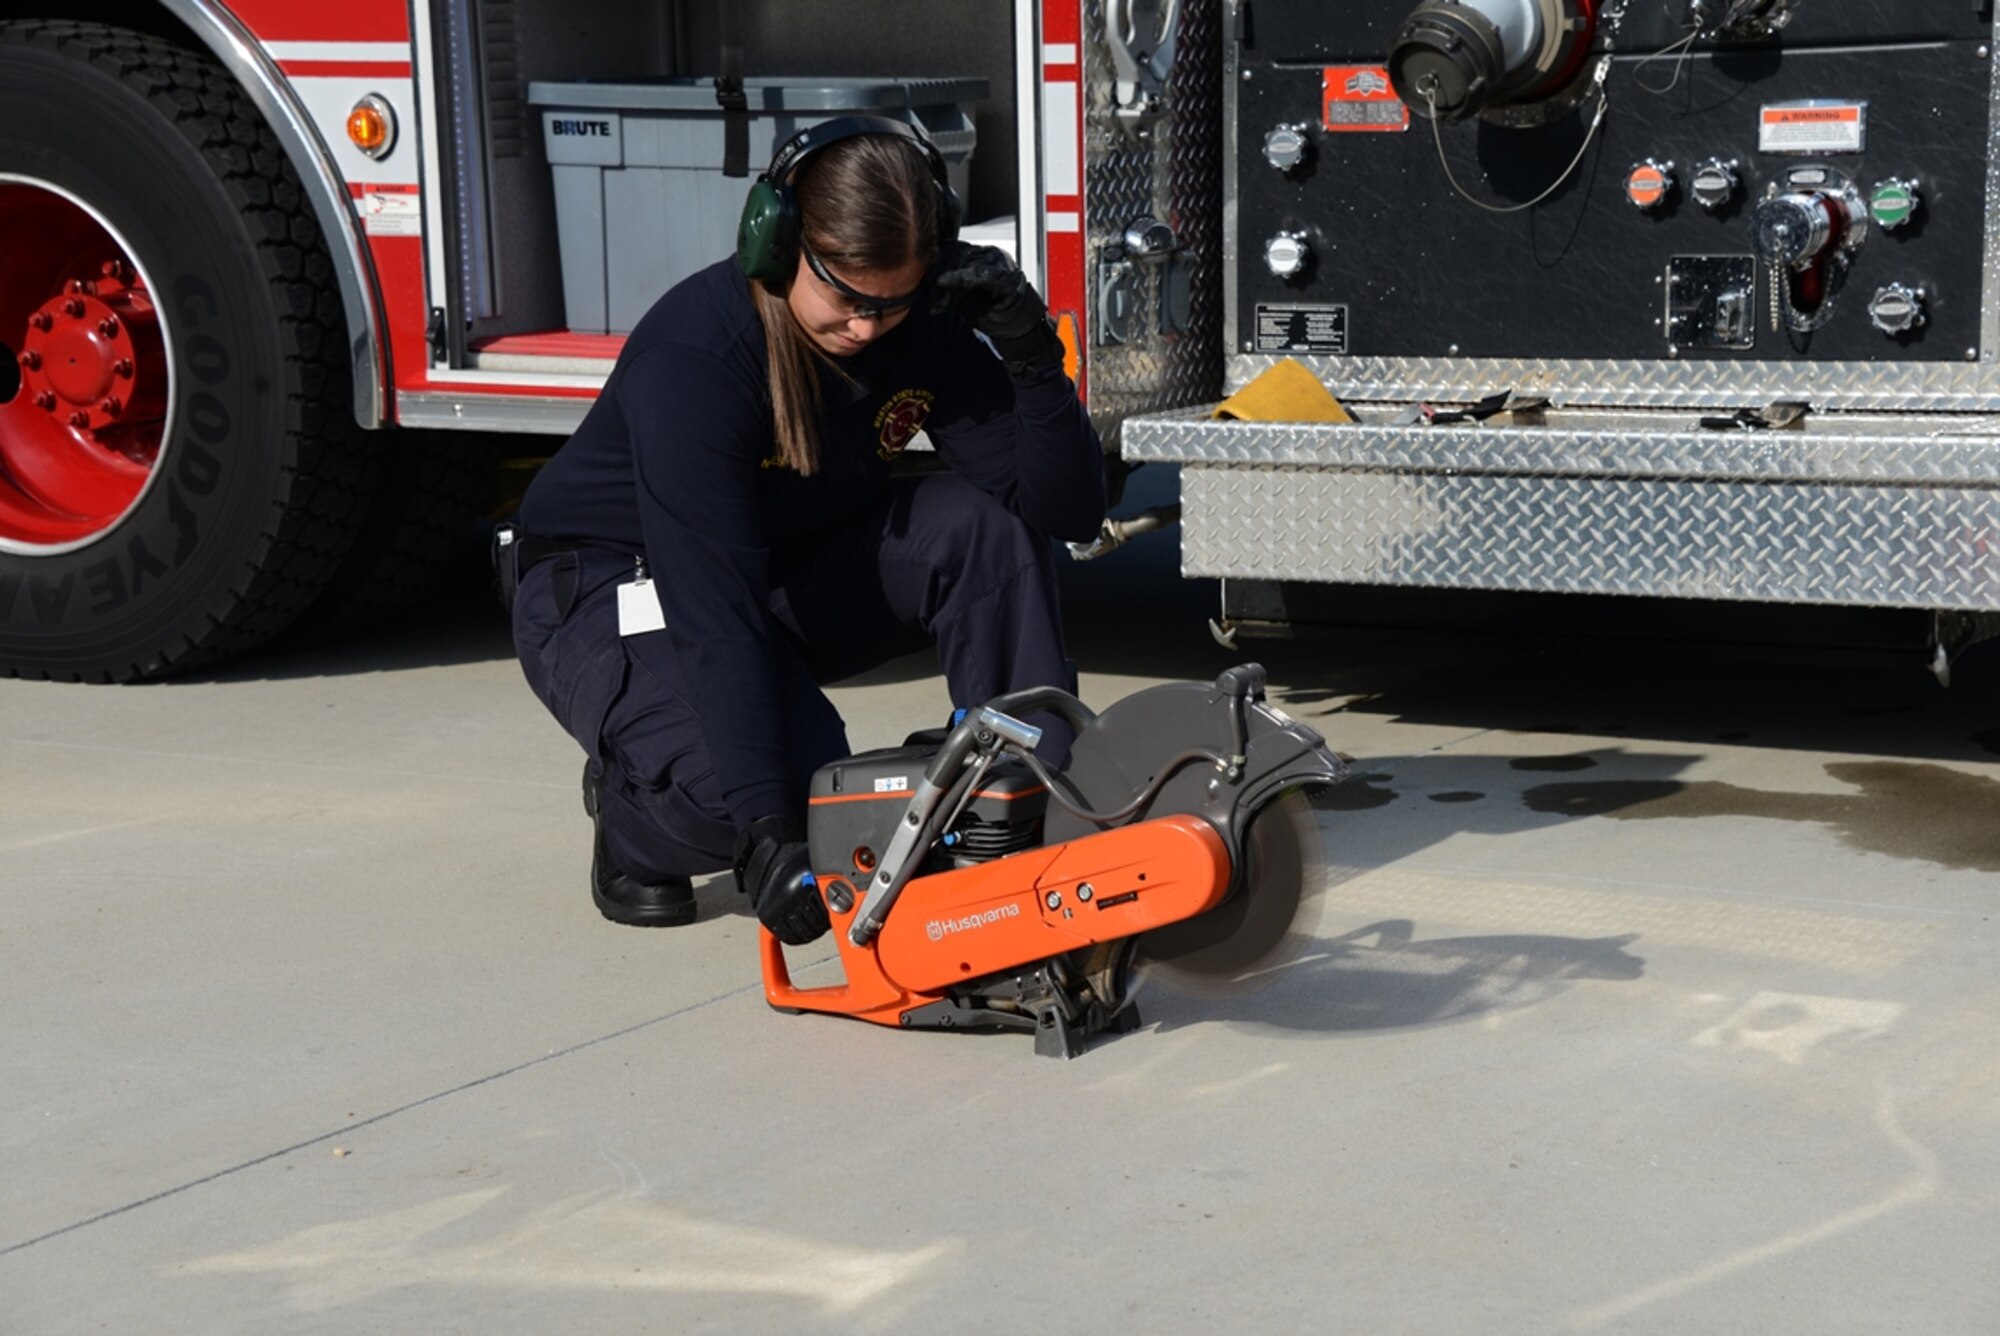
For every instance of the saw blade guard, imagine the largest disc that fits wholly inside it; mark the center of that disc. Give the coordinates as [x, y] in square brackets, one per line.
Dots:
[1163, 745]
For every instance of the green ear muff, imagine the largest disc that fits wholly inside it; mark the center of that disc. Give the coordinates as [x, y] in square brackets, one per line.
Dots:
[767, 234]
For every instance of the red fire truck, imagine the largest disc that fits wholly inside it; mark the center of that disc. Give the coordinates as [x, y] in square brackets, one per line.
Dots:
[1697, 299]
[282, 279]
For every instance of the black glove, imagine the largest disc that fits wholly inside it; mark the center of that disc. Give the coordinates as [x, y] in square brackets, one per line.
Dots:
[991, 292]
[774, 868]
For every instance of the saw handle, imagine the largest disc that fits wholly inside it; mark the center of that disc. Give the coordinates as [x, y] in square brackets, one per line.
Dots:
[1054, 700]
[867, 993]
[934, 803]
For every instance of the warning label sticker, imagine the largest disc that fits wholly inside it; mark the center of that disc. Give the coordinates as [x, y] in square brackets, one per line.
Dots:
[1359, 97]
[1812, 127]
[1301, 329]
[391, 214]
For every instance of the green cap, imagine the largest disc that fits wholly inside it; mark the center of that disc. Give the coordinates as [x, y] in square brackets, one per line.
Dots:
[1892, 203]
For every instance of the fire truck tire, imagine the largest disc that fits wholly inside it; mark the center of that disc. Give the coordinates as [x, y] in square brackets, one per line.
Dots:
[178, 485]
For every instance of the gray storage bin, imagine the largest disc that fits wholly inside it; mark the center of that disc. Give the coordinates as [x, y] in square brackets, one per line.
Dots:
[641, 201]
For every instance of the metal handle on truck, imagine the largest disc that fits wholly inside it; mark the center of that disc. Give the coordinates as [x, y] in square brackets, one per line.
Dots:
[1141, 40]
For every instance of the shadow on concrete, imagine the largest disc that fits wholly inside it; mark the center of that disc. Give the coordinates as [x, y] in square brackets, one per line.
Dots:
[1383, 977]
[459, 621]
[1692, 697]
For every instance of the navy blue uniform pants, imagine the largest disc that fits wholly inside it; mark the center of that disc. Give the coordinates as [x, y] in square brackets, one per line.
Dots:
[935, 559]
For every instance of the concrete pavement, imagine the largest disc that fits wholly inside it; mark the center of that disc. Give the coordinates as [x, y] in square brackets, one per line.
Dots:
[1642, 995]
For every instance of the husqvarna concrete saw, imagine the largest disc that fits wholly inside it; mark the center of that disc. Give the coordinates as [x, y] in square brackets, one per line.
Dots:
[971, 886]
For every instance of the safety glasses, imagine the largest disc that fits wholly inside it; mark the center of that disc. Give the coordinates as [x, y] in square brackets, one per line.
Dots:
[863, 305]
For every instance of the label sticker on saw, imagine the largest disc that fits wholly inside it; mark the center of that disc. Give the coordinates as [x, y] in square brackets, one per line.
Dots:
[1812, 127]
[1301, 329]
[1359, 97]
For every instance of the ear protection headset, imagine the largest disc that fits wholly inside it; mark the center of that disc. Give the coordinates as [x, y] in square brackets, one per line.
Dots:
[767, 236]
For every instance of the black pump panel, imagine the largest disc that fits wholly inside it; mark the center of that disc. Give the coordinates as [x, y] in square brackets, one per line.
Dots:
[1412, 269]
[1285, 31]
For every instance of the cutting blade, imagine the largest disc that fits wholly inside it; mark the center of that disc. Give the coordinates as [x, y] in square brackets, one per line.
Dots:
[1268, 918]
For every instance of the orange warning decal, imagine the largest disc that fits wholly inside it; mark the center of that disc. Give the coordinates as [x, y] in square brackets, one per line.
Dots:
[1360, 98]
[1816, 127]
[1809, 115]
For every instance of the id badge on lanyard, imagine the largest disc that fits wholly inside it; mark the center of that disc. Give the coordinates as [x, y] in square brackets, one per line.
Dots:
[639, 608]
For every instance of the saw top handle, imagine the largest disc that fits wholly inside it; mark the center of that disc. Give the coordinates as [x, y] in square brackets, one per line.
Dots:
[967, 752]
[987, 723]
[1054, 700]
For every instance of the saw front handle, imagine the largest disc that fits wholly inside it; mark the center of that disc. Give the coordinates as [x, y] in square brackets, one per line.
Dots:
[970, 748]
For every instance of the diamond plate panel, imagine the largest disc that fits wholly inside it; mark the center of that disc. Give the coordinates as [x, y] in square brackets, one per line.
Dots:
[1174, 175]
[1989, 291]
[1827, 386]
[1869, 449]
[1935, 548]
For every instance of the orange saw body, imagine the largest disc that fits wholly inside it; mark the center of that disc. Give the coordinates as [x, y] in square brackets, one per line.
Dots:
[971, 886]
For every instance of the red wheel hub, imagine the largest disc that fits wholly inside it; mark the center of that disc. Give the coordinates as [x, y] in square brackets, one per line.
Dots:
[93, 357]
[81, 437]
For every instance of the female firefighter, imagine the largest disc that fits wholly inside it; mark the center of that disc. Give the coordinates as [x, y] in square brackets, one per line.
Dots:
[723, 532]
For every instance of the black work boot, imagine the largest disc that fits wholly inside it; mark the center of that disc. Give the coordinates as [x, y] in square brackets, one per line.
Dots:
[623, 898]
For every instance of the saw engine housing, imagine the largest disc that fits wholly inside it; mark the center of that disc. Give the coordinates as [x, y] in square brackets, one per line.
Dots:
[969, 886]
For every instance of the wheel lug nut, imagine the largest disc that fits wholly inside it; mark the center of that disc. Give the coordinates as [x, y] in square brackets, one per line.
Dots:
[42, 320]
[32, 360]
[111, 407]
[123, 367]
[108, 327]
[79, 419]
[73, 308]
[45, 401]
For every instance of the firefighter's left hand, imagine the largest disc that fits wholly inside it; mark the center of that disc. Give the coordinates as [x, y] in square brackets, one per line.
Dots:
[991, 292]
[774, 868]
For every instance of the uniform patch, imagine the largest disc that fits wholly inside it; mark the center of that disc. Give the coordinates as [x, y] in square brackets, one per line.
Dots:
[901, 419]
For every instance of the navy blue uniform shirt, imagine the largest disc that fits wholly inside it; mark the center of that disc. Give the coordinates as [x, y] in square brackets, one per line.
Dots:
[677, 460]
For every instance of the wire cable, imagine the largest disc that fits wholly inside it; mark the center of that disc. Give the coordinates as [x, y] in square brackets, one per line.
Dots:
[1145, 795]
[1680, 49]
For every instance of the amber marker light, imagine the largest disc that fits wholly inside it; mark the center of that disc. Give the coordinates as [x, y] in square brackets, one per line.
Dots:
[371, 126]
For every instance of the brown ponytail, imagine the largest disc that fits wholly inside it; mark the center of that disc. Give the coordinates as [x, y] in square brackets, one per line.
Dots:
[793, 379]
[866, 203]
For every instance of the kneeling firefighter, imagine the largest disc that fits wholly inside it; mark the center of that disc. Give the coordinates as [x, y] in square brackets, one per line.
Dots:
[723, 534]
